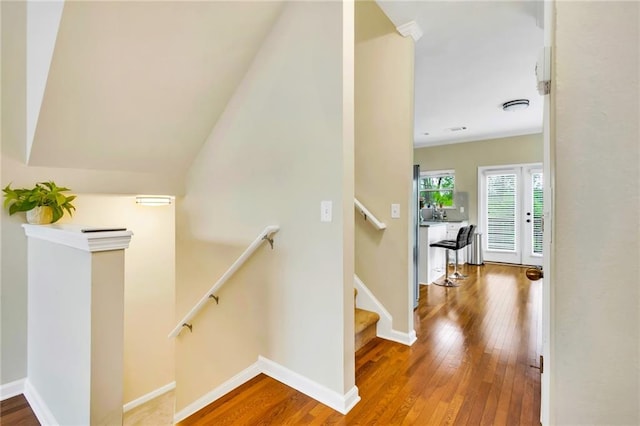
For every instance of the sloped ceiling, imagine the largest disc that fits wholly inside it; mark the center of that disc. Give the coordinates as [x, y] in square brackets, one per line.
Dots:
[138, 86]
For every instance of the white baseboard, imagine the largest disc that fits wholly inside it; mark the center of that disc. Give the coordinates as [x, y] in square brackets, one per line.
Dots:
[148, 397]
[40, 409]
[11, 389]
[384, 329]
[242, 377]
[341, 403]
[399, 337]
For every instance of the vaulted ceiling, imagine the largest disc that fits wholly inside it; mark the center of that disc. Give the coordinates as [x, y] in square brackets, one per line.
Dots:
[139, 86]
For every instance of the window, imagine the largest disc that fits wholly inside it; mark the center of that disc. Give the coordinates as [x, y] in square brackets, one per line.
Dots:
[436, 188]
[537, 202]
[501, 211]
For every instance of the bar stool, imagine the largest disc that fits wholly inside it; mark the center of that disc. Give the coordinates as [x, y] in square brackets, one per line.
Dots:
[456, 274]
[457, 244]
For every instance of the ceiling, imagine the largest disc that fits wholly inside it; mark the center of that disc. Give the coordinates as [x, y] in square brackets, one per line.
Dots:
[473, 57]
[138, 86]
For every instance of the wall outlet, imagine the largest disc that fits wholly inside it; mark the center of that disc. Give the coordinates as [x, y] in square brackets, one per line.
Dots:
[325, 211]
[395, 211]
[461, 209]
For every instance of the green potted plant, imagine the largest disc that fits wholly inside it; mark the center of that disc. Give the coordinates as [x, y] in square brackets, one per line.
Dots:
[44, 203]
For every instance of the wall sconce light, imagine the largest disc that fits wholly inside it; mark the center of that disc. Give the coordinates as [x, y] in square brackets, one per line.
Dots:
[152, 200]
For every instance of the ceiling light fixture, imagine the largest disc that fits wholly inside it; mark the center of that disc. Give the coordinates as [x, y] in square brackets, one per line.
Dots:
[515, 105]
[153, 200]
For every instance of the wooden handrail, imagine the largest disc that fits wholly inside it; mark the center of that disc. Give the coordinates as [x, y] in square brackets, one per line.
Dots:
[368, 216]
[265, 235]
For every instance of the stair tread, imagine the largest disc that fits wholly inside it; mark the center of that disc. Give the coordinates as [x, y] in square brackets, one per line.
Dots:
[364, 319]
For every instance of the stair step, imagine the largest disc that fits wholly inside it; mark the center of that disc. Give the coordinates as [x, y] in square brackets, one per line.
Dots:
[365, 327]
[364, 319]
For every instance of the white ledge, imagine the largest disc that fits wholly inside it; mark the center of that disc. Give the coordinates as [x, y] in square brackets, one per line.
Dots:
[80, 237]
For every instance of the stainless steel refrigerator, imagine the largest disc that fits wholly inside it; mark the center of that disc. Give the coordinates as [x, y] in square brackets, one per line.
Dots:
[416, 233]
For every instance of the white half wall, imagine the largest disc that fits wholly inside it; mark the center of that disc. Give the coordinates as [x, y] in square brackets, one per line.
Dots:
[149, 285]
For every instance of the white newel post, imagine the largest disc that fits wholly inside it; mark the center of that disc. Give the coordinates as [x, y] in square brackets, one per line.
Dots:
[75, 324]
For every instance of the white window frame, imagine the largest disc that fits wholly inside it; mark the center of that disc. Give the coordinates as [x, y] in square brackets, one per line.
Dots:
[433, 173]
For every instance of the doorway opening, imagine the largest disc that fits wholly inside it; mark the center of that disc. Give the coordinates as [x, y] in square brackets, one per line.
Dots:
[511, 213]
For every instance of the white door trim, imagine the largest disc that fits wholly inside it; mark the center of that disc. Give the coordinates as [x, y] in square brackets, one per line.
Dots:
[515, 257]
[528, 219]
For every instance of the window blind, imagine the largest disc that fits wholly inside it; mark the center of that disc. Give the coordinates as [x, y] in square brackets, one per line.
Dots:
[501, 212]
[537, 212]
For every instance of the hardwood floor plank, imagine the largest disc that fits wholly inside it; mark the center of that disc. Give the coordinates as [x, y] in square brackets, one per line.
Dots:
[16, 411]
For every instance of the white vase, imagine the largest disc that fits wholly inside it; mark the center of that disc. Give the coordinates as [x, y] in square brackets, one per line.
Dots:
[41, 215]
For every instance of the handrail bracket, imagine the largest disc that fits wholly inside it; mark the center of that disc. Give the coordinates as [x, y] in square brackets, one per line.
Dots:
[368, 216]
[266, 234]
[269, 239]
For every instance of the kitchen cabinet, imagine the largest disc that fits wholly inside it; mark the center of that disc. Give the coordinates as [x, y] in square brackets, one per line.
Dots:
[431, 259]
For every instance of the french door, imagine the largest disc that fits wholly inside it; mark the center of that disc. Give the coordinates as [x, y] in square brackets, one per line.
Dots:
[510, 213]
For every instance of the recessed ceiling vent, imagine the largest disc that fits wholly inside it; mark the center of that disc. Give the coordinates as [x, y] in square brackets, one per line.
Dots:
[515, 105]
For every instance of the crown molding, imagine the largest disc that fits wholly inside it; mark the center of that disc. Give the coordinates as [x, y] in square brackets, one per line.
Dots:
[410, 29]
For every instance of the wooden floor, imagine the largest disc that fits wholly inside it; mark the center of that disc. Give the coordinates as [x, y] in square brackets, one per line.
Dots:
[474, 364]
[16, 411]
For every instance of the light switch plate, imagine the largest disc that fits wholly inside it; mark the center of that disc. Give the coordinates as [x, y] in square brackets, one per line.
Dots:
[461, 209]
[325, 211]
[395, 211]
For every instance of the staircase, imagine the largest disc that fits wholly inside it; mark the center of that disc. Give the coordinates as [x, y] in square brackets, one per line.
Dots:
[365, 324]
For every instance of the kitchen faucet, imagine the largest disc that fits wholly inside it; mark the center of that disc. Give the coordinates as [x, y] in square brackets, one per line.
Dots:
[436, 213]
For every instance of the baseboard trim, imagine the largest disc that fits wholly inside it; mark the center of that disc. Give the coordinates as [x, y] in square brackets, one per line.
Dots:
[148, 397]
[399, 337]
[39, 407]
[341, 403]
[11, 389]
[239, 379]
[384, 329]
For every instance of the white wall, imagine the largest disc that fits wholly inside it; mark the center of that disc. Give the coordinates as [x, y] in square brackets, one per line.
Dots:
[595, 291]
[13, 272]
[465, 158]
[149, 285]
[42, 30]
[276, 152]
[384, 160]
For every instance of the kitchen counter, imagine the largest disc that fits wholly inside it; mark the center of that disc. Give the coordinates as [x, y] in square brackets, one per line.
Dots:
[428, 223]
